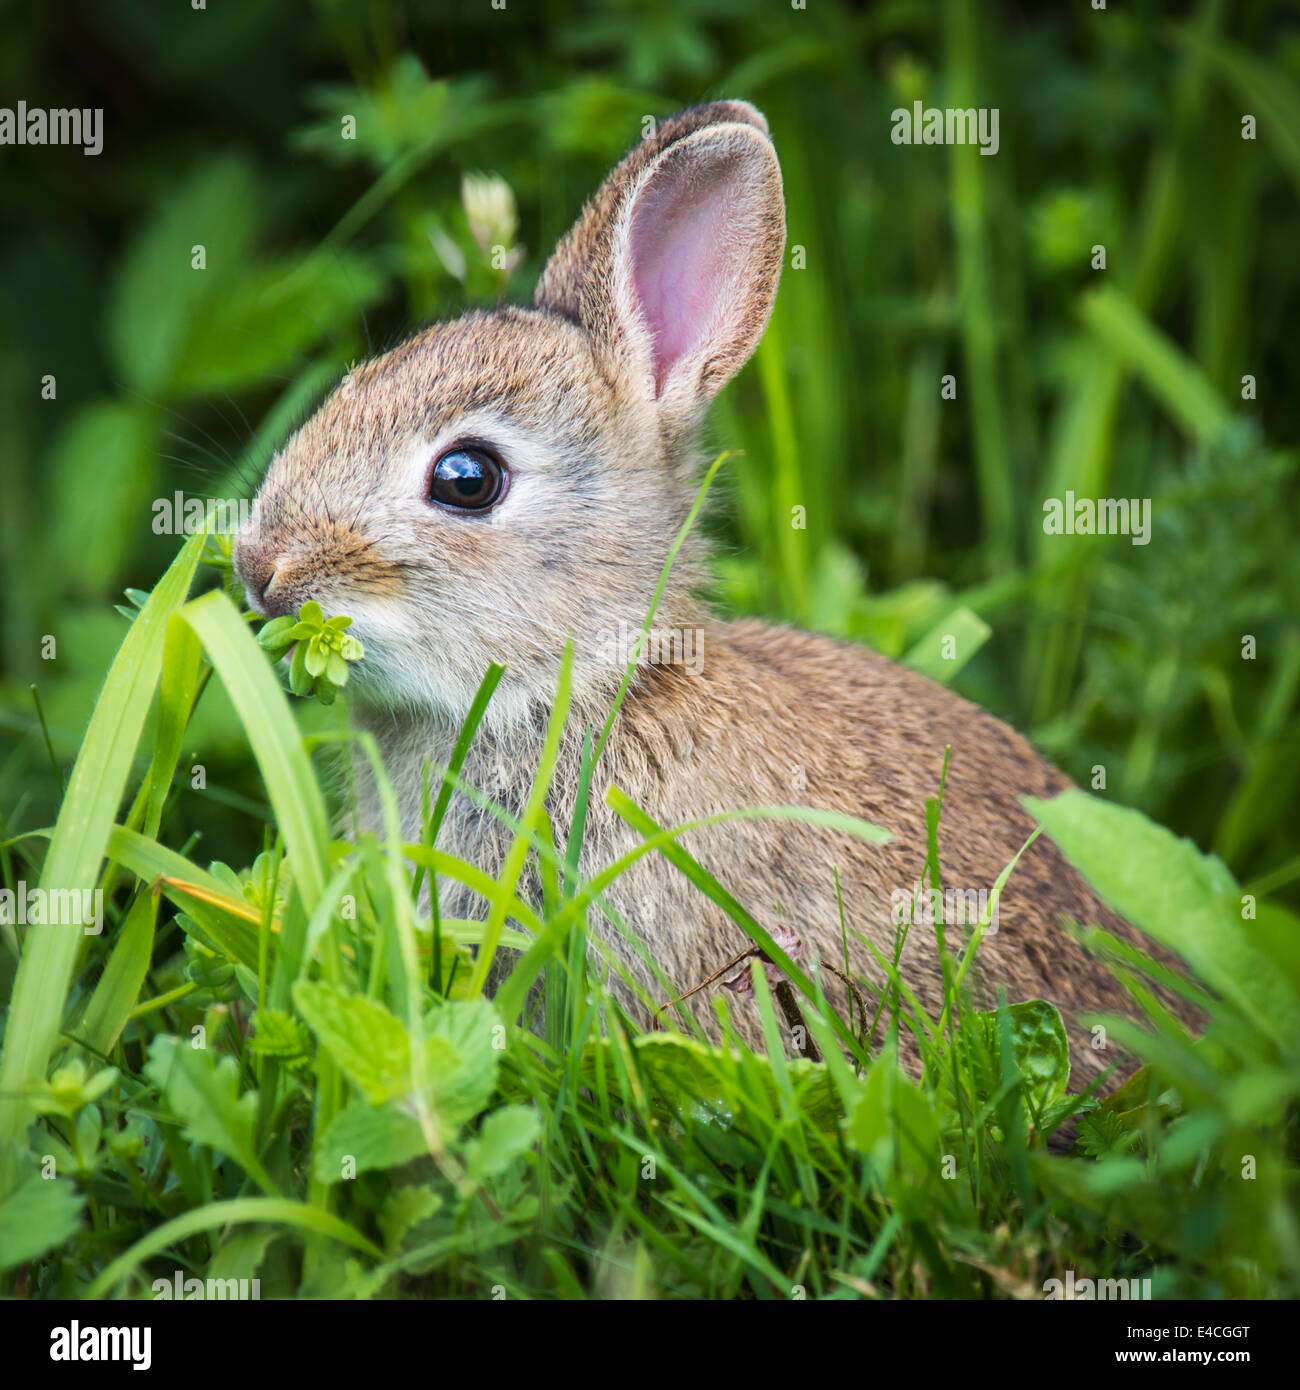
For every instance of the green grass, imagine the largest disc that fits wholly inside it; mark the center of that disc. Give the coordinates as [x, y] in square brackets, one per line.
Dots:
[585, 1158]
[309, 1106]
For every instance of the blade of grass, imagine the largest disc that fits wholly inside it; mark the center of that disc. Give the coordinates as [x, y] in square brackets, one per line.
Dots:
[477, 709]
[81, 835]
[1172, 378]
[979, 315]
[119, 987]
[510, 997]
[277, 743]
[295, 794]
[519, 846]
[623, 806]
[241, 1211]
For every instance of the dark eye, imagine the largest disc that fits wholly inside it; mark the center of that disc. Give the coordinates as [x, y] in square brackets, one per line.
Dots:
[468, 478]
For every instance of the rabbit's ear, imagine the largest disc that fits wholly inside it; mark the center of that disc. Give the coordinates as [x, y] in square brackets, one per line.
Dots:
[673, 266]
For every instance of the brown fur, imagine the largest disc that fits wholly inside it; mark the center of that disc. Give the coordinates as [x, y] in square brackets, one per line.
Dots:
[594, 409]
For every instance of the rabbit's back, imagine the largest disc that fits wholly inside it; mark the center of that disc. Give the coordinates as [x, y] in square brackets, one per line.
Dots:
[776, 717]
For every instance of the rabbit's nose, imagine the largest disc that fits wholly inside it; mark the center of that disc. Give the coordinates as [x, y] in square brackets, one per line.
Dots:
[276, 599]
[262, 573]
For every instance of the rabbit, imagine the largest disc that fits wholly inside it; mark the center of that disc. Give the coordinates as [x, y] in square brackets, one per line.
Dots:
[516, 477]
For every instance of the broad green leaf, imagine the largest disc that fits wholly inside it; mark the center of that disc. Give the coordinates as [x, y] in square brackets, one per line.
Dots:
[869, 1126]
[241, 1255]
[1262, 1096]
[462, 1088]
[1275, 933]
[35, 1217]
[404, 112]
[271, 318]
[370, 1044]
[203, 1092]
[1182, 898]
[158, 293]
[370, 1137]
[372, 1048]
[949, 645]
[504, 1135]
[678, 1069]
[345, 1280]
[1040, 1045]
[102, 467]
[279, 1034]
[405, 1208]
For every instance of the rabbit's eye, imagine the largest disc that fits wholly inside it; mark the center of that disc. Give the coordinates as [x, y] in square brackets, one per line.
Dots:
[467, 478]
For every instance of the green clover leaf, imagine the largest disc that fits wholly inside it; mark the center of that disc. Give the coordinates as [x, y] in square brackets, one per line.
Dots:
[322, 649]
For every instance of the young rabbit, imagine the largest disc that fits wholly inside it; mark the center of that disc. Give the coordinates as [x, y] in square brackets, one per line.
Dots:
[507, 480]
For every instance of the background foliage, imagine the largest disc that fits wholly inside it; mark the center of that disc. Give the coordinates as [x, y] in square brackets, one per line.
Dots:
[1120, 128]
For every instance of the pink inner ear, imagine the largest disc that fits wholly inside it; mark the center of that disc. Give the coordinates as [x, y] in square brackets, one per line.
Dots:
[681, 259]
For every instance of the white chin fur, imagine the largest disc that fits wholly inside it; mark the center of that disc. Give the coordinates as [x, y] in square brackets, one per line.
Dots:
[402, 675]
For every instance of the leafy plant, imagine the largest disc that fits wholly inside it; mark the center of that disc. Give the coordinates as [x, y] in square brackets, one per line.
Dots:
[321, 647]
[342, 1025]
